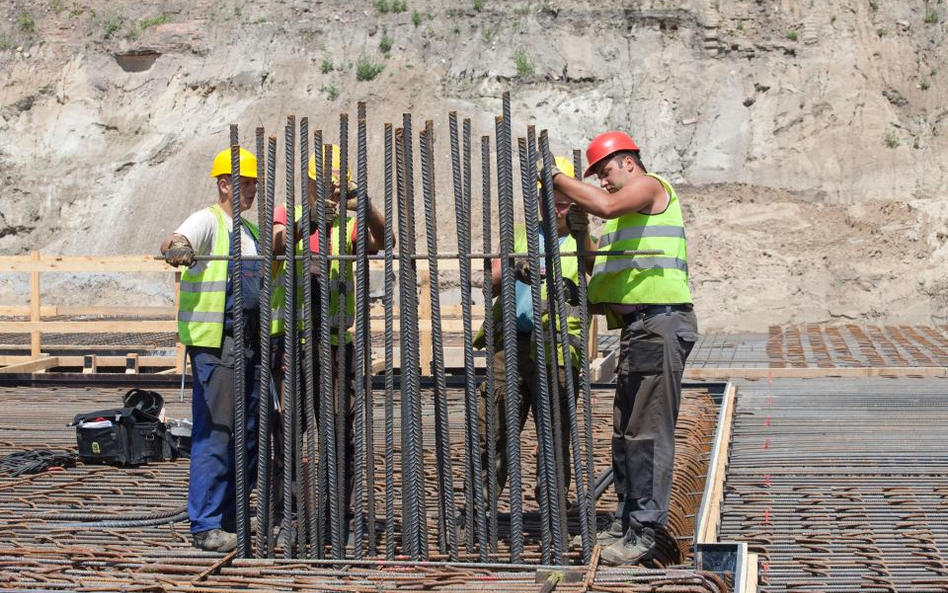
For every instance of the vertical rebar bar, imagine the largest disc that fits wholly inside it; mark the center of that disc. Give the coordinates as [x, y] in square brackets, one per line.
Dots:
[559, 300]
[307, 508]
[448, 519]
[320, 500]
[549, 507]
[289, 340]
[508, 298]
[326, 408]
[489, 407]
[264, 466]
[590, 516]
[389, 298]
[342, 368]
[406, 286]
[240, 390]
[366, 370]
[360, 322]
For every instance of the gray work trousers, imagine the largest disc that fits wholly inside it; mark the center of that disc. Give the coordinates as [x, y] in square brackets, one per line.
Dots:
[653, 349]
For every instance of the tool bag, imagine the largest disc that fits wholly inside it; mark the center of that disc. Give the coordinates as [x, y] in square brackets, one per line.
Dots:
[122, 436]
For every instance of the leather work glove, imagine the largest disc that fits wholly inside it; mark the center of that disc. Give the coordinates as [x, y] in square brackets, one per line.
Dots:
[554, 170]
[179, 252]
[577, 220]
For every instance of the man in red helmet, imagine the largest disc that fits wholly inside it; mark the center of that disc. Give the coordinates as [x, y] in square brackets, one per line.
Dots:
[648, 297]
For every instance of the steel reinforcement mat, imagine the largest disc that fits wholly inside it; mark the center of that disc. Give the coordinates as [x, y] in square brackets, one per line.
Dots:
[841, 485]
[45, 545]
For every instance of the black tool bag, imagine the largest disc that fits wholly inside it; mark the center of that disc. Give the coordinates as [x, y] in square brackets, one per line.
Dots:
[121, 436]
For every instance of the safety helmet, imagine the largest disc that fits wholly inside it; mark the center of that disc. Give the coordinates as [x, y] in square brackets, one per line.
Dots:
[336, 164]
[605, 145]
[565, 166]
[248, 164]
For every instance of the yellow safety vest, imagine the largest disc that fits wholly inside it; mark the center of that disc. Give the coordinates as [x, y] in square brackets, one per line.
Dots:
[278, 295]
[644, 279]
[203, 296]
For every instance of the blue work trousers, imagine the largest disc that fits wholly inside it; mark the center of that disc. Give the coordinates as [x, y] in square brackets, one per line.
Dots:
[212, 488]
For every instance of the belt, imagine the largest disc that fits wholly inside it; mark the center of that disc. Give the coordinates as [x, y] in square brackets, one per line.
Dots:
[650, 310]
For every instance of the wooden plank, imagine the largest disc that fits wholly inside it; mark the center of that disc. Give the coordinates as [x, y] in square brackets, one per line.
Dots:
[119, 361]
[85, 263]
[32, 366]
[35, 307]
[812, 373]
[603, 369]
[710, 519]
[90, 327]
[425, 346]
[748, 582]
[55, 311]
[25, 311]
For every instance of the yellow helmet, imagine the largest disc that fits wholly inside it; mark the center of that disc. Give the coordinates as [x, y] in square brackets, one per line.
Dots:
[248, 164]
[336, 164]
[565, 166]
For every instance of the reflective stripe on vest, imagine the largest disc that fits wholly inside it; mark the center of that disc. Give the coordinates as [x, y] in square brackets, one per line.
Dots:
[203, 296]
[649, 279]
[278, 297]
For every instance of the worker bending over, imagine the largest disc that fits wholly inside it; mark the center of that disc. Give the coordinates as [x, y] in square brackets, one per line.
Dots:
[206, 326]
[576, 222]
[648, 297]
[339, 293]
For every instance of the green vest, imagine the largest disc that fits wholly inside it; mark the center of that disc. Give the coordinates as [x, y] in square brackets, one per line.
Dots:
[569, 268]
[202, 297]
[278, 295]
[644, 279]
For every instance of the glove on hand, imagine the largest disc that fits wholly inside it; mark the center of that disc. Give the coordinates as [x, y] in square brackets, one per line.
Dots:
[554, 170]
[179, 252]
[522, 271]
[577, 220]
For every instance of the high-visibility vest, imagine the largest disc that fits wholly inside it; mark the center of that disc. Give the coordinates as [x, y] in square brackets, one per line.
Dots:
[203, 296]
[569, 268]
[644, 279]
[278, 295]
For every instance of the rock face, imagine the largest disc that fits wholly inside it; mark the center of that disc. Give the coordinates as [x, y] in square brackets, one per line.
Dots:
[810, 141]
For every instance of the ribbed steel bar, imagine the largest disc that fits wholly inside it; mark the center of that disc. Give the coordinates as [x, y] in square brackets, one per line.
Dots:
[508, 296]
[551, 538]
[550, 232]
[342, 326]
[406, 283]
[584, 380]
[448, 518]
[320, 496]
[240, 383]
[358, 514]
[560, 302]
[289, 339]
[366, 367]
[489, 403]
[264, 465]
[328, 429]
[389, 304]
[307, 511]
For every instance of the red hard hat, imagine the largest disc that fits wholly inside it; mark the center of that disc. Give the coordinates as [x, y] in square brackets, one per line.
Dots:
[606, 144]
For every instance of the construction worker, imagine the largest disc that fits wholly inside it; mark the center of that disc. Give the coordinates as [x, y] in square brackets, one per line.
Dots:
[374, 242]
[206, 326]
[567, 227]
[648, 297]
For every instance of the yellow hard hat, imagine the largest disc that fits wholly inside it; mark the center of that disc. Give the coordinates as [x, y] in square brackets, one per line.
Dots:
[248, 164]
[565, 166]
[336, 164]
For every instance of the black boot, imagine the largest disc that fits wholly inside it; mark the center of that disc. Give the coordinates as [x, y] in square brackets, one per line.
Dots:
[635, 547]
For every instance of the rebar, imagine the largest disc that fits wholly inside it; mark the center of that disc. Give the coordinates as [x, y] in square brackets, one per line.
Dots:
[289, 338]
[264, 467]
[549, 507]
[360, 322]
[389, 304]
[489, 407]
[240, 391]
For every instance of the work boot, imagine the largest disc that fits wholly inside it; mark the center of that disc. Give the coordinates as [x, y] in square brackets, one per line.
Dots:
[214, 540]
[636, 546]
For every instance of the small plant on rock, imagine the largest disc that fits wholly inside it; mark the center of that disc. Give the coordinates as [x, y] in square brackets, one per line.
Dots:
[367, 68]
[25, 23]
[326, 65]
[478, 5]
[792, 35]
[525, 66]
[892, 139]
[931, 16]
[385, 43]
[331, 90]
[415, 18]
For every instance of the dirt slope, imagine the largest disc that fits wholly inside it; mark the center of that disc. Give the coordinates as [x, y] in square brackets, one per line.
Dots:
[809, 138]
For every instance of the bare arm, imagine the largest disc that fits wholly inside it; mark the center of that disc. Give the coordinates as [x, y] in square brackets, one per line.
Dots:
[376, 239]
[637, 195]
[495, 278]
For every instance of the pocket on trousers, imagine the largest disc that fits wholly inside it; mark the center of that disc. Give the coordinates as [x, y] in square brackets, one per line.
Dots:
[644, 356]
[686, 341]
